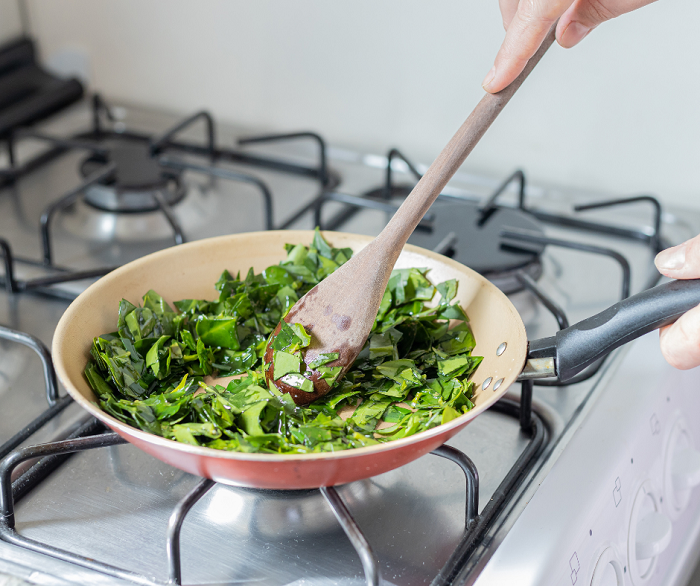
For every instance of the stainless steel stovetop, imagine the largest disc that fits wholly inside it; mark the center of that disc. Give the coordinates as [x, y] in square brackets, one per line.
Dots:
[112, 504]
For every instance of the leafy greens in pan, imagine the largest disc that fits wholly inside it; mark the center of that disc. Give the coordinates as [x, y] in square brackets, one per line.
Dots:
[412, 374]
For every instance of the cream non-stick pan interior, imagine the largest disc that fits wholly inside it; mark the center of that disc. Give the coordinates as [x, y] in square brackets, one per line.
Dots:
[190, 271]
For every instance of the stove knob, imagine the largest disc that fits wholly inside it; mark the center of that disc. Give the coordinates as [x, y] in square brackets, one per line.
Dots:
[649, 534]
[608, 570]
[681, 468]
[685, 469]
[653, 535]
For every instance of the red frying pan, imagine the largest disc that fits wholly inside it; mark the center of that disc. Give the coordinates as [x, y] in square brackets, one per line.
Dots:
[188, 271]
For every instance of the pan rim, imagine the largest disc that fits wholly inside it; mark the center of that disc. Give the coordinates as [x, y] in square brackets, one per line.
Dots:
[202, 451]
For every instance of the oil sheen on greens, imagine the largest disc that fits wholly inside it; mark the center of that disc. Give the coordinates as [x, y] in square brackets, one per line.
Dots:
[412, 374]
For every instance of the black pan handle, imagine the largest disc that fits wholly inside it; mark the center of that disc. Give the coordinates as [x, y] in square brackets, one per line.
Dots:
[576, 347]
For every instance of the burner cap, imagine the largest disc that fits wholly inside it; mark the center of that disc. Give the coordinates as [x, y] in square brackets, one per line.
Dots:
[465, 234]
[137, 175]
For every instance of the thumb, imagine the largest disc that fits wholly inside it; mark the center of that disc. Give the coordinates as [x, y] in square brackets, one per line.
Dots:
[680, 341]
[526, 31]
[680, 262]
[584, 15]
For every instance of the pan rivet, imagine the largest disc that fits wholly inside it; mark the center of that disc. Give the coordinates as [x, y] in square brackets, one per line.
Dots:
[501, 349]
[497, 384]
[486, 383]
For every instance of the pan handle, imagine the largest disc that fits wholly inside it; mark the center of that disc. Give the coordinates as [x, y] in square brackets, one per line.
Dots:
[580, 345]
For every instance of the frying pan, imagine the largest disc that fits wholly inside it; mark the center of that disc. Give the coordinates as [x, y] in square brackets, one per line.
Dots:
[189, 271]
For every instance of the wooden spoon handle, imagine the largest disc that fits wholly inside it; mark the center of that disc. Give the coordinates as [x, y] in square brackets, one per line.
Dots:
[407, 217]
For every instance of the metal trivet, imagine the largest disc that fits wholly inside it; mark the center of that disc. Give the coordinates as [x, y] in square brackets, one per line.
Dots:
[499, 242]
[90, 436]
[130, 172]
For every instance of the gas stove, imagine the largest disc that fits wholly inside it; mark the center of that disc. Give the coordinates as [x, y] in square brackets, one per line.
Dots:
[511, 499]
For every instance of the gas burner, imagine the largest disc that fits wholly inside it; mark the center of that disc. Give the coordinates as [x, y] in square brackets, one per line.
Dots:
[94, 223]
[137, 175]
[128, 175]
[472, 236]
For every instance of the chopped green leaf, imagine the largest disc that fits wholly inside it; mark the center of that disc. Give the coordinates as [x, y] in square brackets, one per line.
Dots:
[218, 332]
[302, 335]
[449, 414]
[286, 339]
[298, 381]
[285, 363]
[447, 290]
[329, 373]
[412, 374]
[322, 359]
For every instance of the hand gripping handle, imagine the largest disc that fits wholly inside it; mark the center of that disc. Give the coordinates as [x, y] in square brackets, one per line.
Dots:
[580, 345]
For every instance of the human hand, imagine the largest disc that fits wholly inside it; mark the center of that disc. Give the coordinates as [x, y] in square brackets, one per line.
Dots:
[528, 21]
[680, 342]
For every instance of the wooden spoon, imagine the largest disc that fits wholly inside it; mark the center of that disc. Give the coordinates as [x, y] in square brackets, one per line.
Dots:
[340, 311]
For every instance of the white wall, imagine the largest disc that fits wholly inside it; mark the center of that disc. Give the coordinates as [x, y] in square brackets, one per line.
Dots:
[10, 23]
[620, 113]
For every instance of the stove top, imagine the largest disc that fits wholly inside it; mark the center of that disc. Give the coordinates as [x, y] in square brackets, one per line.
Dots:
[112, 504]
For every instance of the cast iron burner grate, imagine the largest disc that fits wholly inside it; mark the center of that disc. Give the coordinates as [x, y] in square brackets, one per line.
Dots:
[91, 435]
[131, 172]
[504, 244]
[518, 237]
[465, 233]
[471, 234]
[136, 176]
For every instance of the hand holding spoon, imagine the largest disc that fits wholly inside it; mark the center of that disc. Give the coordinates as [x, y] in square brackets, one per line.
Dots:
[340, 311]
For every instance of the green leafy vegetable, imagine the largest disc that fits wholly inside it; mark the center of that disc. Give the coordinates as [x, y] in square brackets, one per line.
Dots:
[412, 375]
[298, 382]
[286, 363]
[329, 373]
[218, 332]
[322, 359]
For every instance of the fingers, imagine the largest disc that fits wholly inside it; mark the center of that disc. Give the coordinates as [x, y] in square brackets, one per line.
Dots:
[680, 262]
[508, 8]
[526, 31]
[528, 21]
[584, 15]
[680, 342]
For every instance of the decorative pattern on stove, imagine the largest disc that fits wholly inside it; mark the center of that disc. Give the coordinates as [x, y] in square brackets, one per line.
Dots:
[617, 492]
[575, 568]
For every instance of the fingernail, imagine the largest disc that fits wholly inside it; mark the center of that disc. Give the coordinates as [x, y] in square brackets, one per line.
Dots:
[489, 78]
[671, 259]
[573, 34]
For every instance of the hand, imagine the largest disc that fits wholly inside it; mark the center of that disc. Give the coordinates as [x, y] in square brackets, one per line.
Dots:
[528, 21]
[680, 342]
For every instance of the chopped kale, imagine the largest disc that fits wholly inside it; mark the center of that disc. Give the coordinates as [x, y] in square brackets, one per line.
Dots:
[412, 375]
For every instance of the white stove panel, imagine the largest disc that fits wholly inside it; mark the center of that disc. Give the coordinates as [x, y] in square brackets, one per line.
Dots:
[621, 506]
